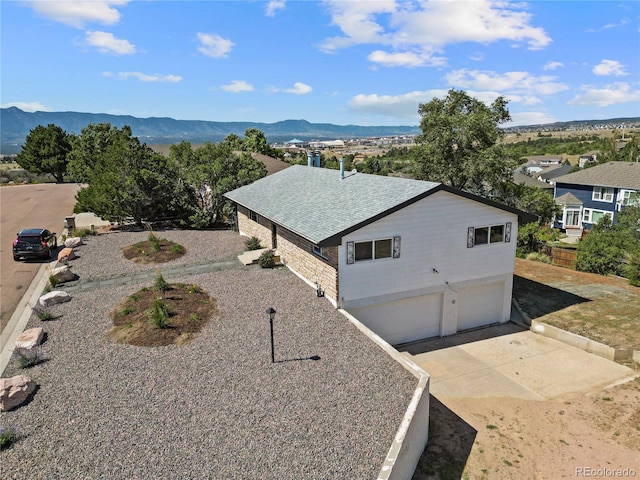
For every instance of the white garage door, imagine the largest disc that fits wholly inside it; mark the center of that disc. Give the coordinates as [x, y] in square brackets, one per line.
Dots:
[481, 305]
[403, 320]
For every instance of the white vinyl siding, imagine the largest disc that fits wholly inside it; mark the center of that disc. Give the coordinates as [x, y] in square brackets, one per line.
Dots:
[434, 239]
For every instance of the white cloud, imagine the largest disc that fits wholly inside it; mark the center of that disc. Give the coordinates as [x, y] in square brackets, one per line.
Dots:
[509, 82]
[237, 86]
[299, 89]
[214, 45]
[405, 59]
[552, 65]
[400, 106]
[607, 95]
[423, 28]
[78, 13]
[609, 67]
[530, 118]
[144, 77]
[28, 106]
[273, 6]
[107, 43]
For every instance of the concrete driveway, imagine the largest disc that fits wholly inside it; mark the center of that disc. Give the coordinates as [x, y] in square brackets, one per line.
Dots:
[508, 360]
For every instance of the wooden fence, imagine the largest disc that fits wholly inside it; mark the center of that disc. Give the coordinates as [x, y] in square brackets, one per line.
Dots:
[562, 257]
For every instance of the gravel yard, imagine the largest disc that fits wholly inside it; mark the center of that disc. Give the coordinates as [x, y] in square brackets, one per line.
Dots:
[217, 407]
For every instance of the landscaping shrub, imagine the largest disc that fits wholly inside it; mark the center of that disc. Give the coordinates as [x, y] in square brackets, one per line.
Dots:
[160, 284]
[267, 259]
[7, 437]
[538, 257]
[159, 314]
[253, 243]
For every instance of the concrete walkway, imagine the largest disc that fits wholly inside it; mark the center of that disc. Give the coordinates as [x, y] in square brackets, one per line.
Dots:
[508, 360]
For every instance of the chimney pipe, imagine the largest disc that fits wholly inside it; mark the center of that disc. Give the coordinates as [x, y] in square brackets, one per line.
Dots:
[341, 168]
[317, 158]
[309, 159]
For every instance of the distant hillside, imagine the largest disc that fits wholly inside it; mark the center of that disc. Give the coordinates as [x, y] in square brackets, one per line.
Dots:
[16, 125]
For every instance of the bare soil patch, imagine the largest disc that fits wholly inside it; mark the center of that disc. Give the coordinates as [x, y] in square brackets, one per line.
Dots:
[188, 309]
[604, 309]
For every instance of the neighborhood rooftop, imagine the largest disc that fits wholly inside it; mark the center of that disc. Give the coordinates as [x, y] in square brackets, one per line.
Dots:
[610, 174]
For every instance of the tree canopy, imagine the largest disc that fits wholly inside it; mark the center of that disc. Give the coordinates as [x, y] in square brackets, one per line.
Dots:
[458, 145]
[126, 179]
[45, 150]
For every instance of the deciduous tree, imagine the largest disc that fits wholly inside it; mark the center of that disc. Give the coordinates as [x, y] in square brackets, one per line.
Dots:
[458, 145]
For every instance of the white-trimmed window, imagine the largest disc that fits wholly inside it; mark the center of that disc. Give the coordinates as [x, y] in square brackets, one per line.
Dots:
[629, 197]
[572, 218]
[602, 194]
[488, 234]
[589, 215]
[380, 249]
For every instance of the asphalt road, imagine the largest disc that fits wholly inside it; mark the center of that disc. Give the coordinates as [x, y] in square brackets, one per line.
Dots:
[27, 206]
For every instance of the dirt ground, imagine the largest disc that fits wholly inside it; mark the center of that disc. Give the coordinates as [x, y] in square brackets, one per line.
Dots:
[586, 434]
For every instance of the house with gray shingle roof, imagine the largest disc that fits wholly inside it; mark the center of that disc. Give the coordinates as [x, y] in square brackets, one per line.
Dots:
[589, 194]
[410, 259]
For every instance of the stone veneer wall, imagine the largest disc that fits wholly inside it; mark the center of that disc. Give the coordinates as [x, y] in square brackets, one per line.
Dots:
[295, 252]
[252, 229]
[309, 266]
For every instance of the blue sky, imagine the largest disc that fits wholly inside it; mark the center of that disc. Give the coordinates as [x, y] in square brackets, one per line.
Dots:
[341, 62]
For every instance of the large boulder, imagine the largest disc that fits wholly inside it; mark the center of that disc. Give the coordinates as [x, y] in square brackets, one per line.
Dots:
[53, 298]
[14, 391]
[62, 274]
[73, 242]
[30, 338]
[66, 254]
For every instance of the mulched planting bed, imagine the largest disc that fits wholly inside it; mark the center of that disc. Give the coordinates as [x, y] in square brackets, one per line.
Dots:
[154, 250]
[189, 309]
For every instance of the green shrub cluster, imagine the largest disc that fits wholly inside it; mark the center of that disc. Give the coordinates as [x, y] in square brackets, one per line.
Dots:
[267, 259]
[253, 243]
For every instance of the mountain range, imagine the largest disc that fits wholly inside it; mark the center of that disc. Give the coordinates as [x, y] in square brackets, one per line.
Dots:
[15, 125]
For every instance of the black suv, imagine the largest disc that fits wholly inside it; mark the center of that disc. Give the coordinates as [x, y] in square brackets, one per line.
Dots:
[34, 243]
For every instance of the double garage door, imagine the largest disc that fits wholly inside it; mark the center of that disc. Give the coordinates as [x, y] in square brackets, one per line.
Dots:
[422, 317]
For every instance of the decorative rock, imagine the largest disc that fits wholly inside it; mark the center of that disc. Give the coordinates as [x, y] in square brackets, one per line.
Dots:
[62, 274]
[14, 391]
[66, 254]
[30, 338]
[72, 242]
[53, 298]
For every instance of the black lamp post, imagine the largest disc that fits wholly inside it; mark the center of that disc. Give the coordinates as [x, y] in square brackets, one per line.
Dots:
[272, 313]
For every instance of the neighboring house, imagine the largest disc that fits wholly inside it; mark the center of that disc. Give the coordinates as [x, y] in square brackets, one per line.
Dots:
[588, 159]
[529, 181]
[550, 174]
[408, 258]
[588, 195]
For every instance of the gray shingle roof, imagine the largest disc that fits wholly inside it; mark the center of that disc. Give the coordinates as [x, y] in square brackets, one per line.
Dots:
[611, 174]
[568, 199]
[317, 205]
